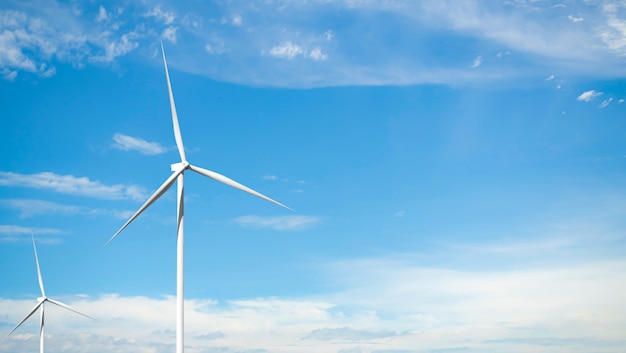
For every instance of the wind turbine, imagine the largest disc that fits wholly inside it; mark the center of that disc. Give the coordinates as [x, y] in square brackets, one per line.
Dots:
[178, 170]
[41, 303]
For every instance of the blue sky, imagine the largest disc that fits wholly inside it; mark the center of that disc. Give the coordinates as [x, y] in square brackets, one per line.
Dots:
[456, 170]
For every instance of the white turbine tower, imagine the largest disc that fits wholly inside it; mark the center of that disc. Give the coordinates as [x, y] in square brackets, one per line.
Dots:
[41, 301]
[178, 170]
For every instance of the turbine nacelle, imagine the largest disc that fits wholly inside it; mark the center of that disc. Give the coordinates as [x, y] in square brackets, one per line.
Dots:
[179, 166]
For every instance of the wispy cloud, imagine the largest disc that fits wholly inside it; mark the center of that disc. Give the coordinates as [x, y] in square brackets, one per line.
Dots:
[165, 16]
[605, 103]
[16, 230]
[129, 143]
[169, 34]
[477, 62]
[575, 19]
[286, 50]
[237, 20]
[13, 233]
[613, 31]
[288, 223]
[316, 54]
[117, 47]
[33, 37]
[69, 184]
[588, 96]
[102, 14]
[270, 177]
[32, 40]
[31, 208]
[348, 334]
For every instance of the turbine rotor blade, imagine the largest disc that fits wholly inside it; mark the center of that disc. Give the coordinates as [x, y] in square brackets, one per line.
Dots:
[25, 318]
[68, 308]
[228, 181]
[43, 293]
[162, 189]
[177, 134]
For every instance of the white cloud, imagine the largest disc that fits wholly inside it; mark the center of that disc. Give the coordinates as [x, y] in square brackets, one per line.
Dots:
[279, 222]
[102, 14]
[286, 50]
[270, 177]
[550, 78]
[129, 143]
[348, 334]
[8, 75]
[399, 214]
[17, 230]
[329, 35]
[31, 207]
[69, 184]
[613, 33]
[605, 103]
[22, 35]
[167, 17]
[373, 305]
[317, 55]
[476, 63]
[31, 43]
[588, 96]
[114, 48]
[620, 101]
[216, 46]
[169, 34]
[14, 233]
[575, 19]
[501, 54]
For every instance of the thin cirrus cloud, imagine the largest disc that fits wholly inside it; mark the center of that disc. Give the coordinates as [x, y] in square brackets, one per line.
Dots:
[287, 223]
[477, 62]
[605, 103]
[71, 185]
[30, 208]
[10, 233]
[130, 143]
[16, 230]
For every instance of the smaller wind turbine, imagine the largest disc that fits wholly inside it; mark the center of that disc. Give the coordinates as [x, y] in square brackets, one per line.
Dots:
[40, 303]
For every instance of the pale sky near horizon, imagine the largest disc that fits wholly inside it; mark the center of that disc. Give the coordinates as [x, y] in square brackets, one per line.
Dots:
[456, 170]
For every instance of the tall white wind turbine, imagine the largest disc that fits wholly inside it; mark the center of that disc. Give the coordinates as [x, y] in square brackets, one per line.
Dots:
[178, 170]
[41, 301]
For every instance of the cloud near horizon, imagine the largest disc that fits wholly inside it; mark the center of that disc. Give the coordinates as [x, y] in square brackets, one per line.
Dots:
[376, 306]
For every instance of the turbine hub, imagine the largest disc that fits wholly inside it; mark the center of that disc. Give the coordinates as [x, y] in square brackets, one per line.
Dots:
[180, 165]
